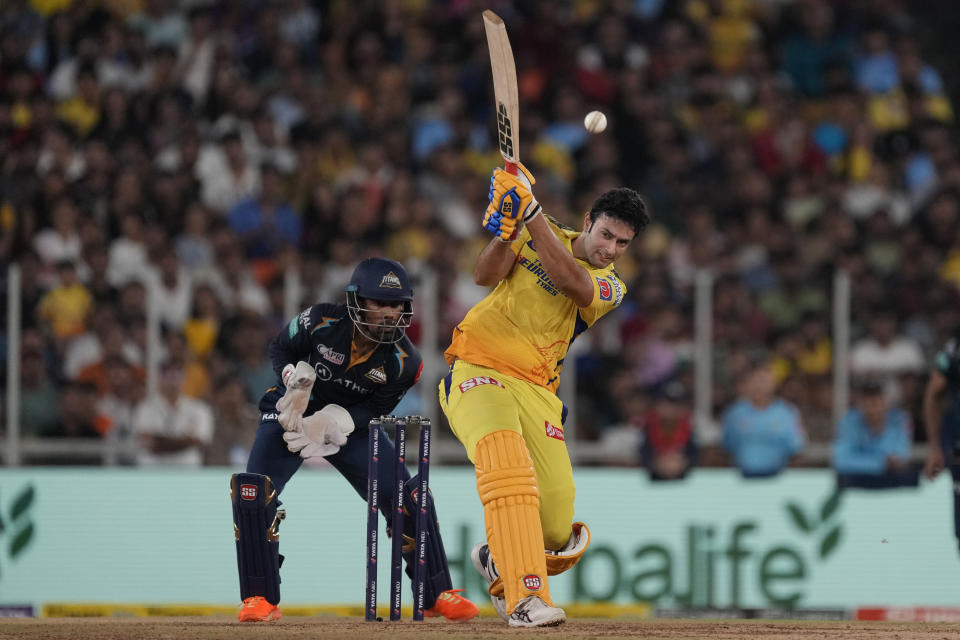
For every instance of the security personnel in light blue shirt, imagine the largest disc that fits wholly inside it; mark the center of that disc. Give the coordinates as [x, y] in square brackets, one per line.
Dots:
[761, 431]
[872, 448]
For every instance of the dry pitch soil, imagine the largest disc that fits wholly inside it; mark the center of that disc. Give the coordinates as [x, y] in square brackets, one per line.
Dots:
[297, 628]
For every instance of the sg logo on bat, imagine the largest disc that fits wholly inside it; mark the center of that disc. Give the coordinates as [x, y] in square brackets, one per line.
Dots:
[505, 130]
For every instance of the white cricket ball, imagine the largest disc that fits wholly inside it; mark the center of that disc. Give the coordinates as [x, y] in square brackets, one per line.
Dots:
[595, 122]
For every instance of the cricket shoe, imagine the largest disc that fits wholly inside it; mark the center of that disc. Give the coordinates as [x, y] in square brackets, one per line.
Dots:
[257, 609]
[483, 563]
[532, 611]
[452, 606]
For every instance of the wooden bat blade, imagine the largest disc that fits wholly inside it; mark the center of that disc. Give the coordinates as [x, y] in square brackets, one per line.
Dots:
[504, 88]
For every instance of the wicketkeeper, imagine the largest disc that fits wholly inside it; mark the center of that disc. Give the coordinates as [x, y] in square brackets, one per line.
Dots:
[553, 282]
[339, 366]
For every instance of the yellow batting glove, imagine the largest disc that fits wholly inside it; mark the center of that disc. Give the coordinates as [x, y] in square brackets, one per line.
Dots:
[511, 203]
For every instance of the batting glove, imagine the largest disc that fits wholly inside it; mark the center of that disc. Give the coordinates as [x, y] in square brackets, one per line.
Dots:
[511, 203]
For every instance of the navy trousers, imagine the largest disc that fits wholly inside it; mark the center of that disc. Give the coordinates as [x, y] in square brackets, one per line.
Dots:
[269, 456]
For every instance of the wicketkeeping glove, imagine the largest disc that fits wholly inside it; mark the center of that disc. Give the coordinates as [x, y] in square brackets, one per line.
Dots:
[299, 382]
[322, 433]
[511, 203]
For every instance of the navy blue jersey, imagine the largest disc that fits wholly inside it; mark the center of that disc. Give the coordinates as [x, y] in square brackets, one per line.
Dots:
[948, 362]
[321, 336]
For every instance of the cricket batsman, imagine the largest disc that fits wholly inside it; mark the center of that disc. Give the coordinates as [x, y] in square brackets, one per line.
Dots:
[338, 367]
[552, 283]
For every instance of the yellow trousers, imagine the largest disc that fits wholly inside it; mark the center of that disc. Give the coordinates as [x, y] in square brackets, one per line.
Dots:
[479, 401]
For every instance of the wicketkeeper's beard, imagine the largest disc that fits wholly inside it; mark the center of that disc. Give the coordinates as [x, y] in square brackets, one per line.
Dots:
[383, 331]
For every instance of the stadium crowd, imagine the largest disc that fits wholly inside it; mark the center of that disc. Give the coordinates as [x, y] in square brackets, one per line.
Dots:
[211, 146]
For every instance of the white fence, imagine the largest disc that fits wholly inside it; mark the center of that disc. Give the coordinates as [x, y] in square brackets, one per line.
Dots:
[18, 450]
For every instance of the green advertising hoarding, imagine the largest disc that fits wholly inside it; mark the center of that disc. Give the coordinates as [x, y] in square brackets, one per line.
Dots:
[712, 540]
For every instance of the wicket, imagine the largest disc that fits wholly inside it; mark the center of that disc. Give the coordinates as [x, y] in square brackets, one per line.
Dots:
[373, 508]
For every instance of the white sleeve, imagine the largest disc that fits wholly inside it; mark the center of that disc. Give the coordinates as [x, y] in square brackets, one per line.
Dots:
[146, 419]
[204, 422]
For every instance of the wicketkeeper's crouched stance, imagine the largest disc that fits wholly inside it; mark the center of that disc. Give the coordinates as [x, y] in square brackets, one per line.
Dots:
[353, 363]
[500, 396]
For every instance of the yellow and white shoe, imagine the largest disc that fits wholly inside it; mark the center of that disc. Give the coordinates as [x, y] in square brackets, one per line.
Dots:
[534, 612]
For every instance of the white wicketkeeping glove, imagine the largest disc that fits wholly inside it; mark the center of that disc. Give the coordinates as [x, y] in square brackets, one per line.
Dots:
[322, 433]
[299, 382]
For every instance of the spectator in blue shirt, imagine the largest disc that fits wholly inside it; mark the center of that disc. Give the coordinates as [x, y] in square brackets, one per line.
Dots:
[266, 224]
[872, 449]
[761, 431]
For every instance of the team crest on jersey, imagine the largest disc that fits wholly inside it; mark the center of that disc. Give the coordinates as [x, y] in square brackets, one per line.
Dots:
[532, 581]
[248, 491]
[329, 354]
[606, 291]
[377, 375]
[478, 381]
[390, 281]
[553, 432]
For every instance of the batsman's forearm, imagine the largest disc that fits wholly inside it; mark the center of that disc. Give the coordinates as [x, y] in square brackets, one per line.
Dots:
[561, 266]
[494, 263]
[931, 418]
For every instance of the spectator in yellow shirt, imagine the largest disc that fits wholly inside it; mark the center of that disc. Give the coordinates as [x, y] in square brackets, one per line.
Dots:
[66, 307]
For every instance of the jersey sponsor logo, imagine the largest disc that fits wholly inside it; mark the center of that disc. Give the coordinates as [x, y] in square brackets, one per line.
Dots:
[479, 381]
[552, 431]
[323, 372]
[304, 318]
[536, 268]
[377, 375]
[618, 289]
[248, 491]
[269, 416]
[352, 386]
[390, 281]
[329, 354]
[606, 291]
[532, 581]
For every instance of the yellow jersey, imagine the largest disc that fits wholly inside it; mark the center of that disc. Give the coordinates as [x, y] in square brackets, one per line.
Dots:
[524, 327]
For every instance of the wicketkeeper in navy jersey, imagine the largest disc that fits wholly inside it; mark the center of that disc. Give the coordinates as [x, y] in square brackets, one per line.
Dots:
[338, 367]
[943, 430]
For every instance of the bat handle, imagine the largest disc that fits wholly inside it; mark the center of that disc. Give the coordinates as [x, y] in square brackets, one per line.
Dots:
[511, 167]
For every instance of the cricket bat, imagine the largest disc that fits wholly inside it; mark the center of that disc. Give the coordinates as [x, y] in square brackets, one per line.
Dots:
[504, 89]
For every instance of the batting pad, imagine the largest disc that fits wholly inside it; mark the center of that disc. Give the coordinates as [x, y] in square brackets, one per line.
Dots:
[256, 525]
[507, 485]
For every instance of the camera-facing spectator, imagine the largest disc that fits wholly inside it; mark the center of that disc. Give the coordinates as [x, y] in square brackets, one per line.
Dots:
[872, 448]
[761, 431]
[173, 428]
[66, 308]
[668, 450]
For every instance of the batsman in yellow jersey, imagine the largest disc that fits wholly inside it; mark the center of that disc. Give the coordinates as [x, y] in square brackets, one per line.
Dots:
[552, 283]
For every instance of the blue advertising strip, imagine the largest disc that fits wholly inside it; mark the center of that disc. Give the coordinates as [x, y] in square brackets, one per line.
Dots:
[712, 541]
